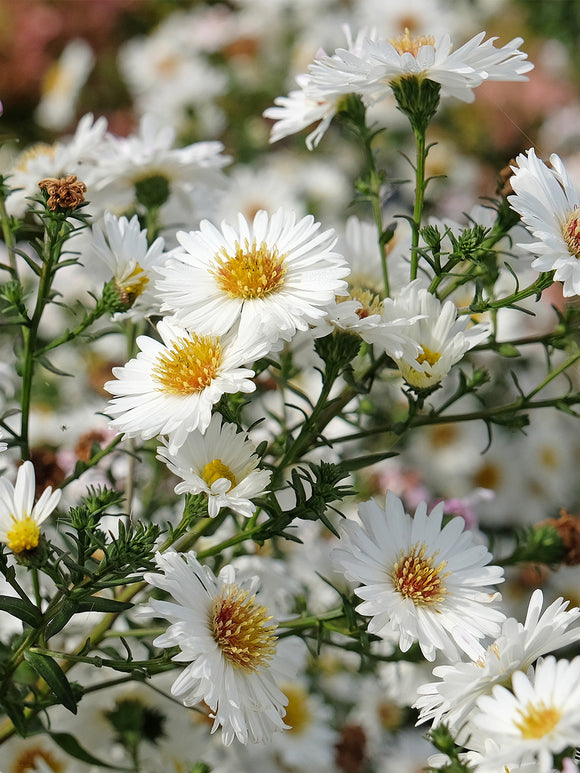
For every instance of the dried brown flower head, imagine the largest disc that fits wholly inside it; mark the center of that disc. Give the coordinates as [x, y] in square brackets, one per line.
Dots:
[63, 192]
[504, 185]
[568, 527]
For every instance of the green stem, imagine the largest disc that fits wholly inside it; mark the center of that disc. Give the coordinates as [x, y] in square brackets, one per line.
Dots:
[69, 335]
[420, 185]
[9, 239]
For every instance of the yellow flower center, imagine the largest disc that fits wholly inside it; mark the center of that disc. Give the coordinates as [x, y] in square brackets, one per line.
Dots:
[571, 232]
[29, 759]
[239, 628]
[132, 287]
[215, 470]
[417, 578]
[298, 715]
[24, 535]
[428, 356]
[252, 272]
[34, 151]
[371, 302]
[189, 366]
[538, 721]
[409, 44]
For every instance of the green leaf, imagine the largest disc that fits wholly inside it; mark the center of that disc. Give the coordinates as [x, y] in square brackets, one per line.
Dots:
[508, 350]
[53, 675]
[100, 604]
[58, 622]
[71, 746]
[22, 609]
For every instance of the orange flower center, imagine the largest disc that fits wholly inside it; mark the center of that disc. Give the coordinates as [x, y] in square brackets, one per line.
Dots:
[252, 272]
[416, 576]
[571, 232]
[239, 628]
[189, 366]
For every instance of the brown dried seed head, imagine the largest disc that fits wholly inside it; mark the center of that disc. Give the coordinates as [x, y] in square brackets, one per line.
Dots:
[63, 192]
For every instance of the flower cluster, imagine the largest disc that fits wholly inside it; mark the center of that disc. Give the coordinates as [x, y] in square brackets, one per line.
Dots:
[304, 482]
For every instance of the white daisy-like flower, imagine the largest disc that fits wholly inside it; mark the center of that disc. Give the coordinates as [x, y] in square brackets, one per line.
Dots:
[372, 71]
[20, 517]
[442, 337]
[122, 246]
[428, 582]
[220, 463]
[229, 641]
[78, 155]
[275, 273]
[172, 384]
[147, 166]
[538, 718]
[313, 103]
[549, 207]
[452, 699]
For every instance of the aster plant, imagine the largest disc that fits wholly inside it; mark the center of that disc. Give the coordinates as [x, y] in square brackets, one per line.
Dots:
[236, 538]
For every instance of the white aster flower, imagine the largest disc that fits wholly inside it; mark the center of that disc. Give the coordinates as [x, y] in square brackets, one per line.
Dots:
[221, 464]
[122, 246]
[78, 155]
[171, 386]
[539, 718]
[379, 64]
[442, 337]
[452, 699]
[548, 204]
[228, 640]
[427, 582]
[20, 517]
[313, 102]
[275, 273]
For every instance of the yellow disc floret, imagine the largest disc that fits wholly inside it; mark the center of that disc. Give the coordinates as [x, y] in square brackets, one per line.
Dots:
[253, 271]
[538, 721]
[410, 44]
[571, 232]
[416, 577]
[189, 366]
[24, 535]
[239, 628]
[215, 470]
[298, 715]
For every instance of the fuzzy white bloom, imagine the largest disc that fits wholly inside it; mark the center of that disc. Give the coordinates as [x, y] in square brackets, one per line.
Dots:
[452, 699]
[548, 204]
[228, 639]
[221, 464]
[313, 102]
[416, 577]
[20, 517]
[122, 246]
[535, 720]
[63, 83]
[379, 64]
[442, 337]
[274, 273]
[172, 384]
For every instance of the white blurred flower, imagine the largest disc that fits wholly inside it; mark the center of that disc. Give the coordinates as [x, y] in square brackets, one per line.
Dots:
[62, 85]
[428, 582]
[548, 204]
[171, 386]
[274, 273]
[221, 464]
[20, 517]
[228, 640]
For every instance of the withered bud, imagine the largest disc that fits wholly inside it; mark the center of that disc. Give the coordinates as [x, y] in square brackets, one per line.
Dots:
[568, 527]
[63, 192]
[504, 185]
[351, 750]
